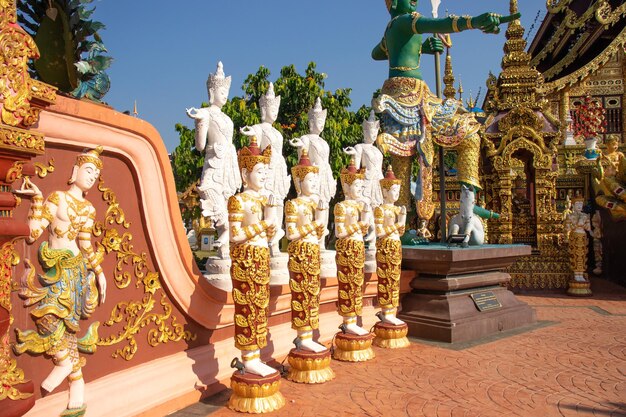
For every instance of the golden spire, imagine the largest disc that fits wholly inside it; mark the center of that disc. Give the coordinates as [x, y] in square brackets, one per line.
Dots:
[460, 91]
[518, 82]
[448, 78]
[470, 102]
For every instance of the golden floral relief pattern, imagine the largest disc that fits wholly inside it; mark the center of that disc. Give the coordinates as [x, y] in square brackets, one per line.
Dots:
[133, 315]
[10, 374]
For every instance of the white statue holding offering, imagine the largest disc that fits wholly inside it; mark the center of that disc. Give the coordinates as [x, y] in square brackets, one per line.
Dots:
[220, 174]
[278, 181]
[319, 154]
[367, 155]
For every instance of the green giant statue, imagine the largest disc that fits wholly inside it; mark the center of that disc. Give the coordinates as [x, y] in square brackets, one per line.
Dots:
[412, 118]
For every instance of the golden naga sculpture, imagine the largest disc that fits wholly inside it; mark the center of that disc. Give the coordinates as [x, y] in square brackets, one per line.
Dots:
[72, 271]
[252, 224]
[390, 224]
[577, 225]
[609, 181]
[305, 224]
[351, 225]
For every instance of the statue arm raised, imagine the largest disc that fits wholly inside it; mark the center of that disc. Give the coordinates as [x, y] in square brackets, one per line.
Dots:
[40, 214]
[487, 22]
[202, 128]
[84, 243]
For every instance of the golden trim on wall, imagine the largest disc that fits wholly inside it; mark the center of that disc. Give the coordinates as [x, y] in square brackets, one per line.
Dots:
[134, 315]
[10, 374]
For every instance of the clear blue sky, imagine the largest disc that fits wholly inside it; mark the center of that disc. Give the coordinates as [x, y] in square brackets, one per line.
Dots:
[163, 51]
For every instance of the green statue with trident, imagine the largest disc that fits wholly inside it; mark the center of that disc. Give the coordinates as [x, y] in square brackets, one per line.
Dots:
[412, 118]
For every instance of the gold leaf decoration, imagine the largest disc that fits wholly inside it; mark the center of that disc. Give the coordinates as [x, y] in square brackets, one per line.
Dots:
[42, 170]
[133, 316]
[10, 374]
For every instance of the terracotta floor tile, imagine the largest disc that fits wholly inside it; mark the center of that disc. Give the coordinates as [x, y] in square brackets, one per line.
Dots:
[573, 366]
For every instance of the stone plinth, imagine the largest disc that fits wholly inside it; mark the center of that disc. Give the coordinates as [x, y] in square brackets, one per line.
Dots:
[440, 306]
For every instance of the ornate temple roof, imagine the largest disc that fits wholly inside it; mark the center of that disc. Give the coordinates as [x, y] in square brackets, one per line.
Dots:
[517, 87]
[576, 38]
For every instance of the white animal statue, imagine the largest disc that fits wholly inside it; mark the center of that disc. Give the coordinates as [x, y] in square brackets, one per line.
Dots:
[467, 222]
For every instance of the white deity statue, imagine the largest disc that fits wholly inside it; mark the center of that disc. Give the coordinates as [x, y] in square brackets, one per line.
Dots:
[278, 181]
[367, 155]
[577, 225]
[66, 293]
[220, 174]
[319, 153]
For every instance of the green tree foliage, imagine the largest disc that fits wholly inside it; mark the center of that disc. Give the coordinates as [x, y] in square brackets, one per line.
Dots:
[298, 93]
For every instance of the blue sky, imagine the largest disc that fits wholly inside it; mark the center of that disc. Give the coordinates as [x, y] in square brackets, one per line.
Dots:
[163, 51]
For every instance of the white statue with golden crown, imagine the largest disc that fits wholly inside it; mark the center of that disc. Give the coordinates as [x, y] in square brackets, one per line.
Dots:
[368, 156]
[309, 361]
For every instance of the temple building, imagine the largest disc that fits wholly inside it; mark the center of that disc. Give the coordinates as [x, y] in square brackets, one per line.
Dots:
[533, 161]
[520, 141]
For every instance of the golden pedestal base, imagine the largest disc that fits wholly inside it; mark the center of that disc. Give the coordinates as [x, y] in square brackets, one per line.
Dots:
[579, 289]
[255, 394]
[353, 348]
[309, 367]
[391, 336]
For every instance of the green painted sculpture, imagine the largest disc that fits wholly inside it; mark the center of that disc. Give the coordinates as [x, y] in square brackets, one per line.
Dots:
[410, 114]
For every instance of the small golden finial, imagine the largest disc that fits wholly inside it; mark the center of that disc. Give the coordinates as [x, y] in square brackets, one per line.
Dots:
[448, 79]
[135, 109]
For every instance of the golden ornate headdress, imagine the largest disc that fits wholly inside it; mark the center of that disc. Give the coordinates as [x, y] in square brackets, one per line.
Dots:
[388, 4]
[577, 198]
[218, 79]
[351, 174]
[269, 99]
[249, 156]
[390, 179]
[304, 166]
[92, 156]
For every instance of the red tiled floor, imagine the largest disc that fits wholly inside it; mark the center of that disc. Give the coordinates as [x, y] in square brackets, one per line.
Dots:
[574, 366]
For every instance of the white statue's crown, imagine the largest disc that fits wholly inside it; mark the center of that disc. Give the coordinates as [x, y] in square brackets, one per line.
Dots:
[372, 123]
[218, 79]
[269, 99]
[317, 112]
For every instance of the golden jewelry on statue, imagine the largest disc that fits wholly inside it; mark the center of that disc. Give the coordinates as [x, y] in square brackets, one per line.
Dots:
[383, 46]
[416, 16]
[71, 378]
[468, 21]
[455, 23]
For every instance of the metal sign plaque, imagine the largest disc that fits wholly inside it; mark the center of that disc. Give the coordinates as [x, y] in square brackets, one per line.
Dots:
[485, 300]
